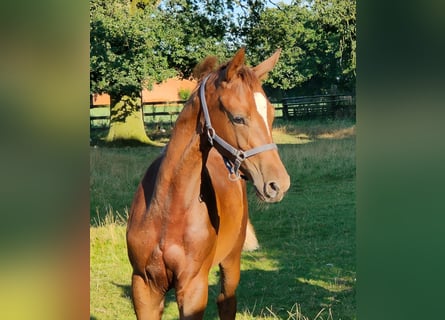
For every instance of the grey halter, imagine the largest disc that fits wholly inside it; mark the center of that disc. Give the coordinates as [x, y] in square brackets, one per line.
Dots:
[239, 155]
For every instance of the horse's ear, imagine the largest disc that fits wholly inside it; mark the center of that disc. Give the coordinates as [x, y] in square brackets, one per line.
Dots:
[235, 64]
[264, 67]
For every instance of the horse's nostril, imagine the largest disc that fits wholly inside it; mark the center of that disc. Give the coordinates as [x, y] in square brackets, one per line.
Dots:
[271, 189]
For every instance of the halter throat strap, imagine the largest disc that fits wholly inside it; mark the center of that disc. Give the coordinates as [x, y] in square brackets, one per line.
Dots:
[239, 155]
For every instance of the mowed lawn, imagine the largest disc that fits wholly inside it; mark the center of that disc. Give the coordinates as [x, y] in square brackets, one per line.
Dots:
[305, 267]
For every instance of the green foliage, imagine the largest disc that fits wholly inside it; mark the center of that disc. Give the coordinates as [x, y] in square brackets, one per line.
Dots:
[338, 21]
[125, 51]
[318, 39]
[284, 29]
[184, 94]
[139, 42]
[141, 4]
[194, 30]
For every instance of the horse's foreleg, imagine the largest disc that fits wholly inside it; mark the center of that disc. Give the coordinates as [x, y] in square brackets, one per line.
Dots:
[191, 296]
[148, 303]
[229, 277]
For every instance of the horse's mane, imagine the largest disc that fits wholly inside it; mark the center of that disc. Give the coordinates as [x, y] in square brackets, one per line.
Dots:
[210, 64]
[206, 66]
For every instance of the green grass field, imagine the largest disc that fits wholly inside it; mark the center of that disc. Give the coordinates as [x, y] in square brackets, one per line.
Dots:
[305, 268]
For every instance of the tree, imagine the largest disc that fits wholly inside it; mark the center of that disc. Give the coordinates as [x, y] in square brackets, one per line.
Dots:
[338, 21]
[282, 27]
[141, 4]
[318, 43]
[135, 43]
[125, 55]
[197, 29]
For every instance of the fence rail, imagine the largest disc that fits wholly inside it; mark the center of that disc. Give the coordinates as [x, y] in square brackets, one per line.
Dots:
[308, 107]
[99, 113]
[161, 111]
[290, 108]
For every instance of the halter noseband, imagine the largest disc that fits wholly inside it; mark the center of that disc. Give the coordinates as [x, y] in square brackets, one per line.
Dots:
[239, 155]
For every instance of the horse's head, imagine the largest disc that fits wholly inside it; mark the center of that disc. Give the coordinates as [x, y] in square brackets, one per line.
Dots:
[238, 117]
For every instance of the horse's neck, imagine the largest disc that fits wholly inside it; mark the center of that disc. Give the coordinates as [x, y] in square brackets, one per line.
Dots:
[180, 172]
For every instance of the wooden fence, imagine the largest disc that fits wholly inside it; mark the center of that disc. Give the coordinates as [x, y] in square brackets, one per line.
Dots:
[159, 113]
[319, 106]
[99, 112]
[154, 112]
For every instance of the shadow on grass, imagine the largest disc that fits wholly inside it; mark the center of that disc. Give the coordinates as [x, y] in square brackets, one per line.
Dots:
[125, 289]
[266, 293]
[98, 135]
[271, 294]
[126, 293]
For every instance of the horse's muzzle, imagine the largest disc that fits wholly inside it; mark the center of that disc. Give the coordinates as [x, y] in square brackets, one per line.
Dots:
[274, 191]
[271, 189]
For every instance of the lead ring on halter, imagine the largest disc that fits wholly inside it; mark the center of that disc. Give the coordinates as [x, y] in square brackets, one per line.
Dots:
[240, 155]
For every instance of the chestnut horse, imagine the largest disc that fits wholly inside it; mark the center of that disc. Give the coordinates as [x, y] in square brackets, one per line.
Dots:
[217, 172]
[192, 214]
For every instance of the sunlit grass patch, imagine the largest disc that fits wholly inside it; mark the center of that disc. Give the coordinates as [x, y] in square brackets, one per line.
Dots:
[314, 129]
[336, 285]
[294, 313]
[109, 271]
[338, 134]
[281, 136]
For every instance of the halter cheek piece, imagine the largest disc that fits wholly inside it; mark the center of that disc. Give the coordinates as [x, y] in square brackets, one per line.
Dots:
[240, 155]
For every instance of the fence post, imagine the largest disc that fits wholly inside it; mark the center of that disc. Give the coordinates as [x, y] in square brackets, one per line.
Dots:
[333, 106]
[142, 107]
[285, 109]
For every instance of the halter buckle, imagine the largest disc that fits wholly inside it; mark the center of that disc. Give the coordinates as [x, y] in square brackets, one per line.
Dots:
[210, 134]
[234, 176]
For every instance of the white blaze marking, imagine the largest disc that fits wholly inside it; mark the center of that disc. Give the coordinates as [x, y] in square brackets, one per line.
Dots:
[261, 106]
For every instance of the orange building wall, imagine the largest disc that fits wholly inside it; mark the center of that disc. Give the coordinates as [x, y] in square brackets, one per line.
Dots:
[165, 91]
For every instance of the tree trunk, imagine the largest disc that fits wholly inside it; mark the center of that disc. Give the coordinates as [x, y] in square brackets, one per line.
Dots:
[126, 121]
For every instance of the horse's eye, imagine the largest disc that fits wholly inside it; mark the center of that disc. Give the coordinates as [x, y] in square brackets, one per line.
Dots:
[238, 120]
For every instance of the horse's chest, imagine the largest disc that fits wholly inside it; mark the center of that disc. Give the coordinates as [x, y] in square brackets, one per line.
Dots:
[230, 236]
